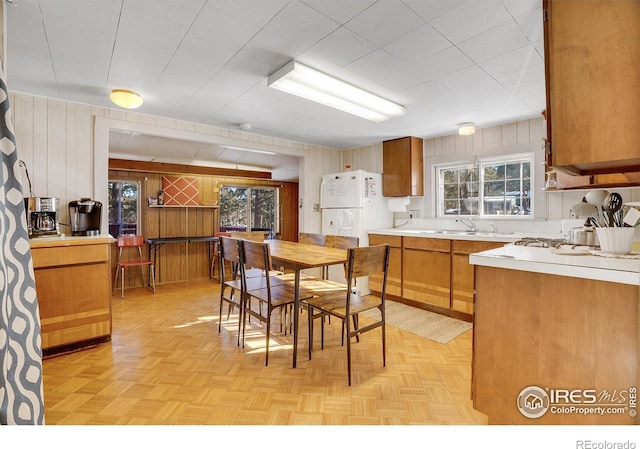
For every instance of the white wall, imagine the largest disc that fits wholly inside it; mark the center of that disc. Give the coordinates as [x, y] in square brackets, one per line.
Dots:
[511, 138]
[65, 148]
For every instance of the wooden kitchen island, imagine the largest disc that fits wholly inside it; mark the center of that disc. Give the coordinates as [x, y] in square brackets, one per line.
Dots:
[555, 337]
[73, 283]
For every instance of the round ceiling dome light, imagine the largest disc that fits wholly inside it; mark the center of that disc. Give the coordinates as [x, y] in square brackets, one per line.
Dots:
[125, 98]
[466, 129]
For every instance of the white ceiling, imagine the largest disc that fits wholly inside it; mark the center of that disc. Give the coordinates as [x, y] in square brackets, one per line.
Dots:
[207, 61]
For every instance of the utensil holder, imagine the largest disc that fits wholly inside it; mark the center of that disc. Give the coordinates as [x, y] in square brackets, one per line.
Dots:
[615, 240]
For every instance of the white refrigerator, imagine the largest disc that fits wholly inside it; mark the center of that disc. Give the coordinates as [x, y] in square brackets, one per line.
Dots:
[352, 204]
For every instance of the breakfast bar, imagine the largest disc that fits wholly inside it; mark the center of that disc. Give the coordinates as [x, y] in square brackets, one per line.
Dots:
[555, 337]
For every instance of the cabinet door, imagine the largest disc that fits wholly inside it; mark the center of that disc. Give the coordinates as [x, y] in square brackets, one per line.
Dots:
[403, 167]
[462, 276]
[426, 268]
[592, 65]
[394, 275]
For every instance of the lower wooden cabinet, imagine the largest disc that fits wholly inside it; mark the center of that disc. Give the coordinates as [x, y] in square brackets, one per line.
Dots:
[427, 271]
[394, 276]
[73, 284]
[462, 273]
[433, 272]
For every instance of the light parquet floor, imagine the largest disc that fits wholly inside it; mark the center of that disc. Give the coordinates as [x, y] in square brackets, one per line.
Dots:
[167, 364]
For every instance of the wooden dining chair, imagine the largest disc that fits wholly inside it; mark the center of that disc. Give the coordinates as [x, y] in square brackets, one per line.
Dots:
[346, 305]
[342, 242]
[231, 283]
[256, 236]
[274, 296]
[129, 255]
[216, 260]
[312, 239]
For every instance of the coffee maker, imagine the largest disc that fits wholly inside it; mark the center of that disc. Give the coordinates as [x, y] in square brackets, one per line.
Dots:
[85, 215]
[42, 216]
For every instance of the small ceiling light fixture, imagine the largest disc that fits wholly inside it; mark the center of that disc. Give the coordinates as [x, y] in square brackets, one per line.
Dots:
[125, 98]
[245, 126]
[306, 82]
[466, 129]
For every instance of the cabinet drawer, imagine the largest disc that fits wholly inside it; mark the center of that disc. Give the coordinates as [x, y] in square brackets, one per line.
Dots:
[474, 246]
[427, 244]
[394, 241]
[69, 255]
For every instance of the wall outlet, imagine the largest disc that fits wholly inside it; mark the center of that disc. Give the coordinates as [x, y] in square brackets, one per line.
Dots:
[414, 214]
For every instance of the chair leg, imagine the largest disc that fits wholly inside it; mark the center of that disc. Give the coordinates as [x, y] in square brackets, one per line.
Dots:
[122, 282]
[221, 305]
[152, 273]
[346, 321]
[310, 328]
[384, 344]
[266, 357]
[115, 279]
[240, 317]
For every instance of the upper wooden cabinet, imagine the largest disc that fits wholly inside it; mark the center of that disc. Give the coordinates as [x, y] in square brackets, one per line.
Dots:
[403, 167]
[592, 64]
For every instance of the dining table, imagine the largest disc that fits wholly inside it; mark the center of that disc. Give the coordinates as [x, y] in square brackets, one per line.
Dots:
[297, 257]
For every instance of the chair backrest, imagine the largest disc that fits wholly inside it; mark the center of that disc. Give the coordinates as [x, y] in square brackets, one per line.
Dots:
[367, 261]
[129, 242]
[229, 249]
[341, 241]
[256, 255]
[312, 239]
[256, 236]
[125, 241]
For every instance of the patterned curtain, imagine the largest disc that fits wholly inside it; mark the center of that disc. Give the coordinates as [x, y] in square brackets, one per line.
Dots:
[21, 397]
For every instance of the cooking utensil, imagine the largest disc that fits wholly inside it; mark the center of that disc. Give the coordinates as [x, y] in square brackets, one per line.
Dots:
[596, 197]
[584, 210]
[584, 235]
[631, 212]
[612, 205]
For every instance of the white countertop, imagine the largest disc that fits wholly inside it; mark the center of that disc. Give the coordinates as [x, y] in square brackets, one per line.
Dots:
[459, 234]
[68, 240]
[542, 260]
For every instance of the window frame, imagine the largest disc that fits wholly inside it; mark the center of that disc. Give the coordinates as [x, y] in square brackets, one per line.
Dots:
[248, 210]
[480, 164]
[138, 207]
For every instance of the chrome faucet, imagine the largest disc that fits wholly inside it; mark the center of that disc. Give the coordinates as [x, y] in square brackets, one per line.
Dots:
[471, 225]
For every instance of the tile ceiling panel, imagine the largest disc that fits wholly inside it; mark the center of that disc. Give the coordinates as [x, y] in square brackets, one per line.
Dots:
[470, 19]
[206, 61]
[385, 21]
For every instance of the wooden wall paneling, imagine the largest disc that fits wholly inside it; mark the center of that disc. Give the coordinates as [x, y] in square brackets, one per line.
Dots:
[57, 157]
[23, 113]
[40, 170]
[79, 153]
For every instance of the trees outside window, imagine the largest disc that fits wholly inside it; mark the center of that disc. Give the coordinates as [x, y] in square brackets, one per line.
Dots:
[249, 208]
[486, 188]
[123, 207]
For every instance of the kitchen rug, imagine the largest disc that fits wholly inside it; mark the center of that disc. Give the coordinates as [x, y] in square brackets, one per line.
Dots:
[433, 326]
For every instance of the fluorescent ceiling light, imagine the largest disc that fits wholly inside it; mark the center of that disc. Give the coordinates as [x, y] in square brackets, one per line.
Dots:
[251, 150]
[303, 81]
[125, 98]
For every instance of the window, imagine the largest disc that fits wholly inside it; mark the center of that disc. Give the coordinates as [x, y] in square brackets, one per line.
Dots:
[249, 208]
[492, 187]
[123, 208]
